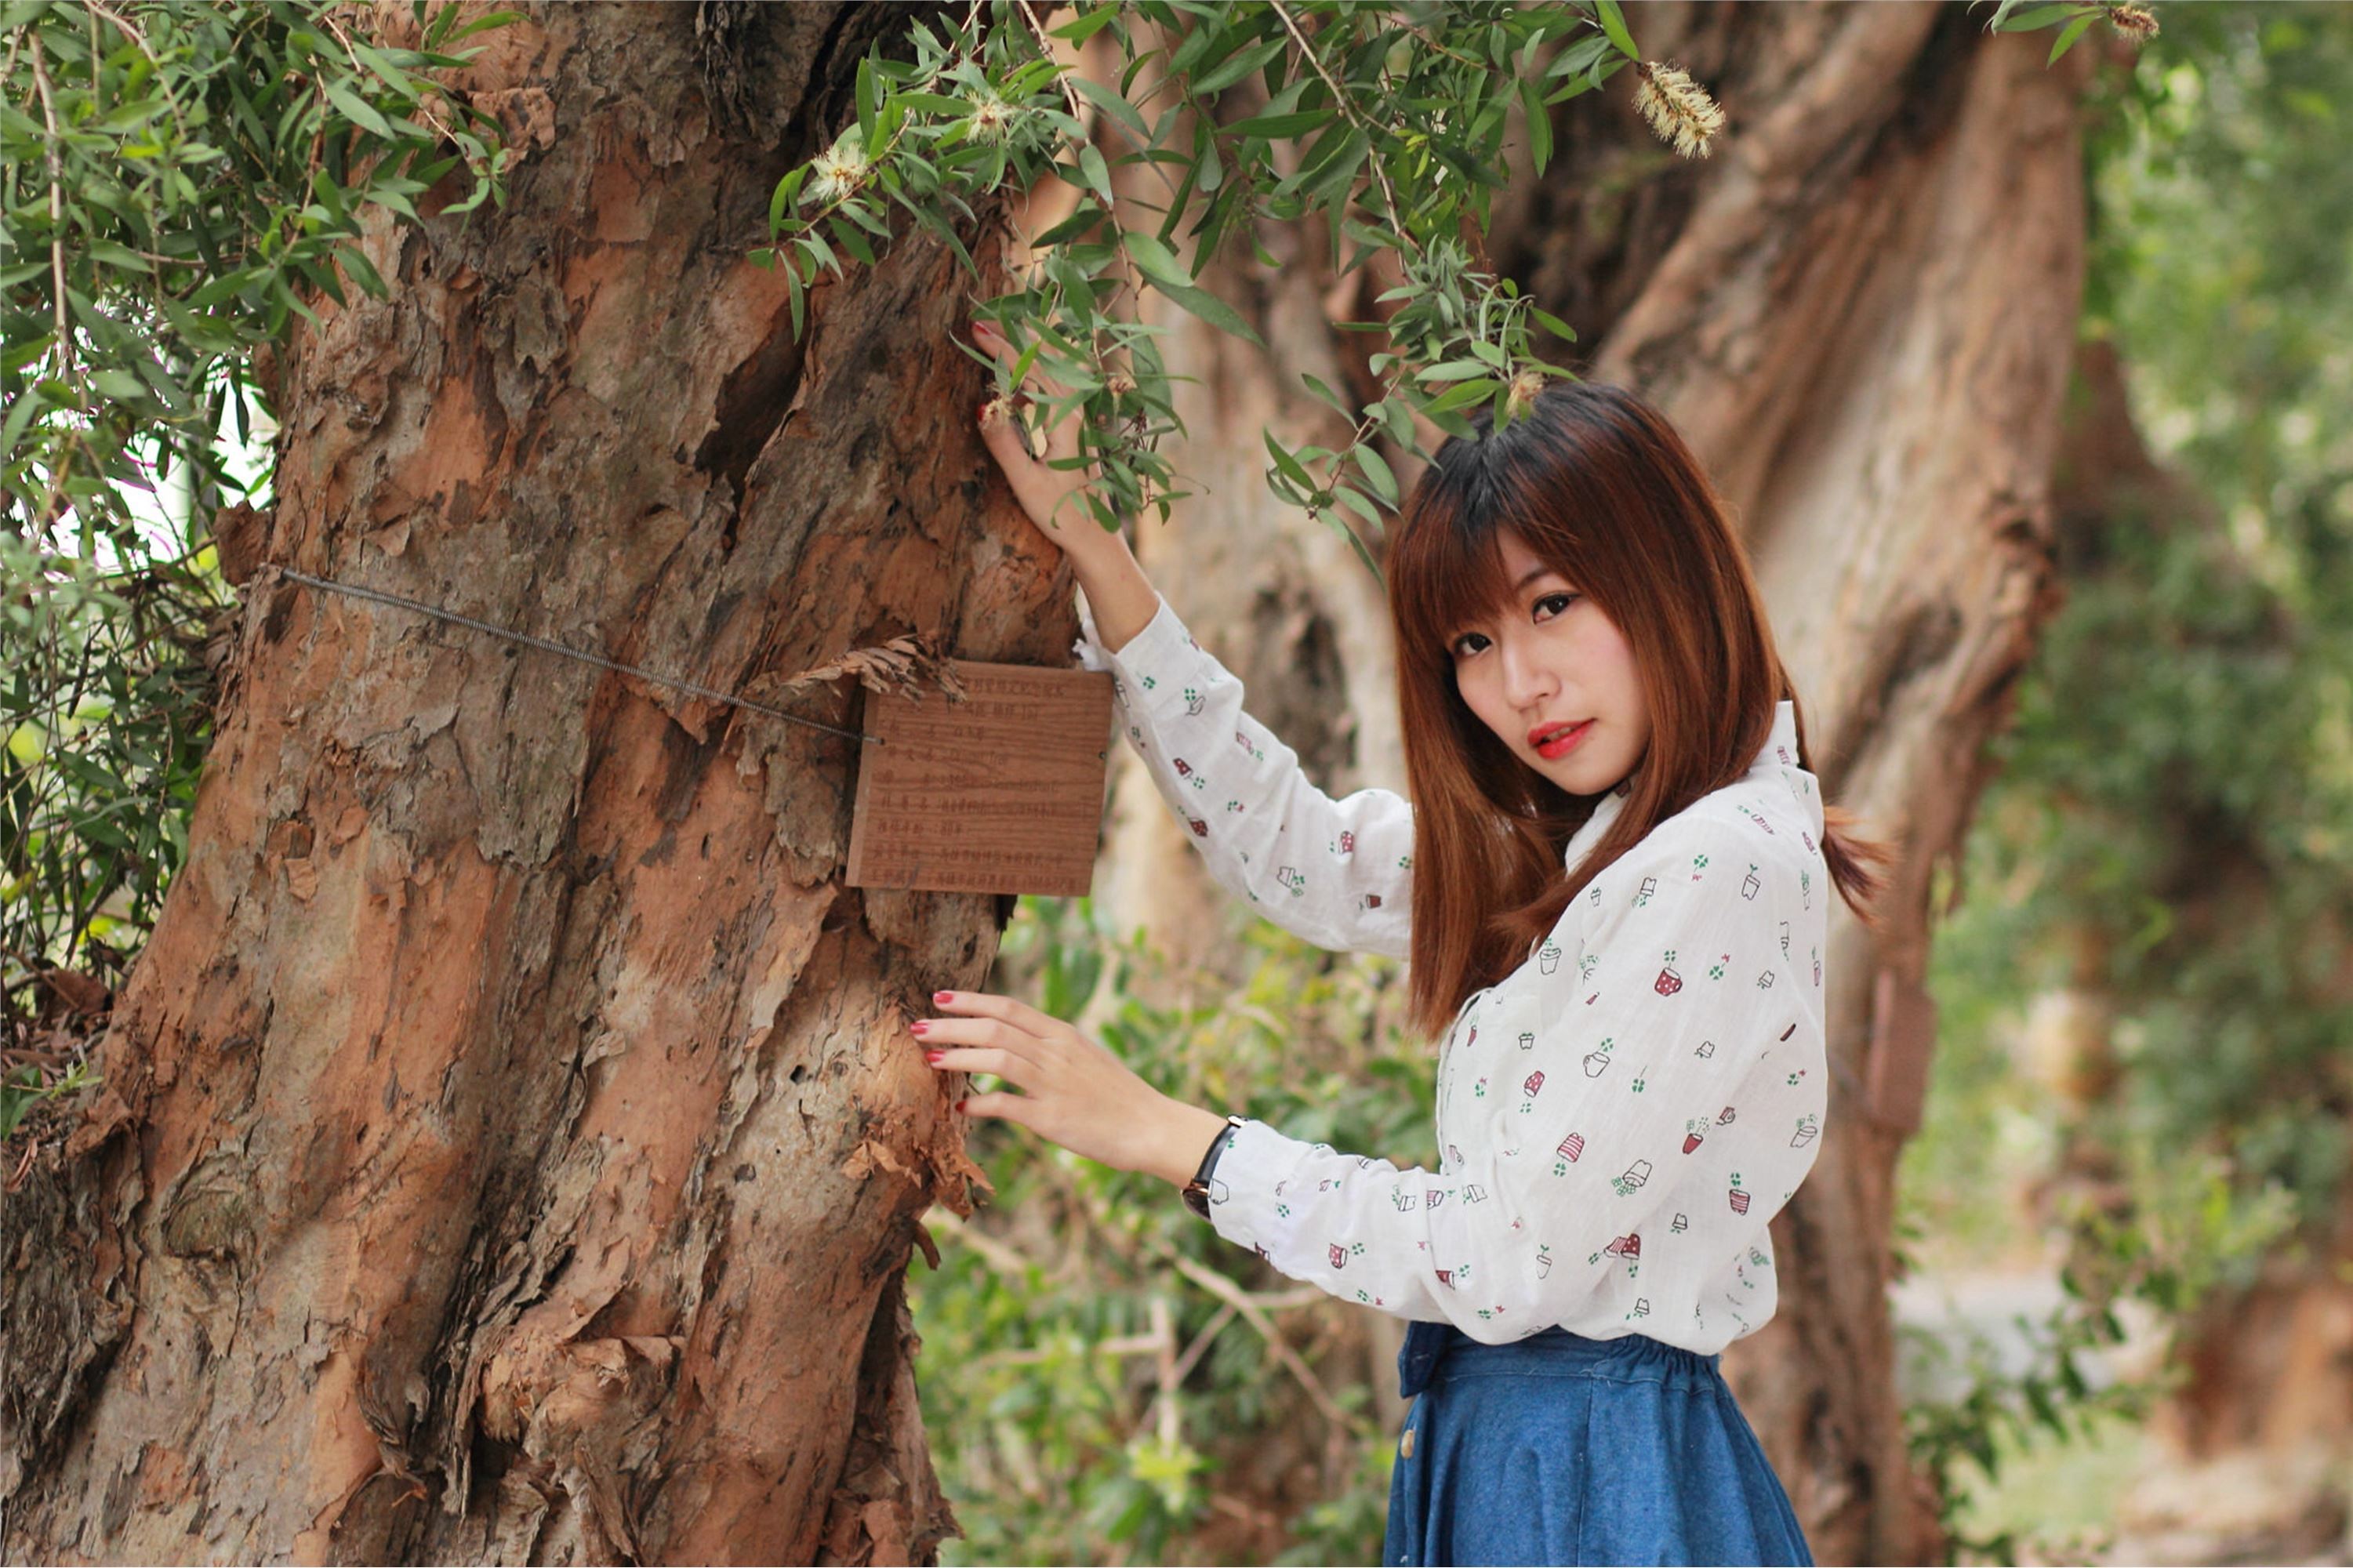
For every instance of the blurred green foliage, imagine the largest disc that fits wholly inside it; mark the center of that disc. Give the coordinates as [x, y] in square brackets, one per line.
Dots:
[177, 179]
[1050, 1445]
[105, 714]
[2171, 833]
[181, 181]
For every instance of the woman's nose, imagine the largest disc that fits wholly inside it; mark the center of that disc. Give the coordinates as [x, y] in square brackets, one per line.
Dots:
[1526, 681]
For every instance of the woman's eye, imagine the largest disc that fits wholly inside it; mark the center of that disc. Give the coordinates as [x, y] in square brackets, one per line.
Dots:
[1457, 650]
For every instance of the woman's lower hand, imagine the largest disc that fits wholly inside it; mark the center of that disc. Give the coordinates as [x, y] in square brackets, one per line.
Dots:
[1074, 1092]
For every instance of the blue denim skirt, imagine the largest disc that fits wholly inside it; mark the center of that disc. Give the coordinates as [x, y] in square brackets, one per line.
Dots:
[1559, 1448]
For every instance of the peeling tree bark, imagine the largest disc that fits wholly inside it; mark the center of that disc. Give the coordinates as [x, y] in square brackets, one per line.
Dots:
[511, 1146]
[1860, 313]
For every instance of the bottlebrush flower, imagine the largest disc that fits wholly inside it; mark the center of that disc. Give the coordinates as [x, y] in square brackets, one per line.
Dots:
[1524, 389]
[1678, 108]
[992, 116]
[837, 169]
[2135, 22]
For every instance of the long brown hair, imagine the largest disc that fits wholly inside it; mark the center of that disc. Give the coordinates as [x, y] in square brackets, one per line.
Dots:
[1598, 486]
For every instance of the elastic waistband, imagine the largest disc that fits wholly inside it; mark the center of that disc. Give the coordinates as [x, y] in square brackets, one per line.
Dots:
[1555, 1352]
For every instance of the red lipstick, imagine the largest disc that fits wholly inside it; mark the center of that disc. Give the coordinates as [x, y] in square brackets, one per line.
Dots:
[1564, 741]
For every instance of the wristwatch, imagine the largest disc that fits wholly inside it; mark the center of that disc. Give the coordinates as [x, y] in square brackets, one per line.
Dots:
[1196, 1191]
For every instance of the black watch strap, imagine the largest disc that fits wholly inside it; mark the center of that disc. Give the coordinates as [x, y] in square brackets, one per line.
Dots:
[1196, 1191]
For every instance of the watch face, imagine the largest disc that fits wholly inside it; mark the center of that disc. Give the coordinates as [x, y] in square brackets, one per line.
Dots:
[1198, 1201]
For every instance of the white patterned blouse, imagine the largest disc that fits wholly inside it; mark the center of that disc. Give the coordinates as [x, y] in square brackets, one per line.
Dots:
[1619, 1118]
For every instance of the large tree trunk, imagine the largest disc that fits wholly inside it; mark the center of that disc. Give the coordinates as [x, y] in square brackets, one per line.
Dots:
[511, 1145]
[1860, 313]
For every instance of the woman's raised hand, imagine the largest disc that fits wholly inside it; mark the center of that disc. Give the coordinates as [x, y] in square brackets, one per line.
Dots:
[1044, 492]
[1122, 597]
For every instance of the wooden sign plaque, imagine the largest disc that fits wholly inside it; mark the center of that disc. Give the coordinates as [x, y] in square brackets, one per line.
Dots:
[1002, 793]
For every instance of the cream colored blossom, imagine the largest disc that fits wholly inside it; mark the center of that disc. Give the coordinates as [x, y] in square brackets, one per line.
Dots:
[992, 116]
[1522, 391]
[2135, 22]
[837, 169]
[1678, 108]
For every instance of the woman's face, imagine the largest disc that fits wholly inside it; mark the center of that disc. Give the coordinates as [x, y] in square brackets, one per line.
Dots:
[1555, 660]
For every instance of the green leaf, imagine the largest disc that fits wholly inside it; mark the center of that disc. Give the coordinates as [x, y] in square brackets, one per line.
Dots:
[1376, 472]
[1552, 323]
[1363, 554]
[480, 24]
[1240, 64]
[2041, 17]
[1460, 395]
[1296, 123]
[362, 271]
[356, 109]
[786, 189]
[1212, 309]
[1112, 104]
[119, 385]
[937, 102]
[1539, 124]
[388, 73]
[1613, 22]
[1360, 503]
[2067, 37]
[851, 240]
[1157, 262]
[16, 356]
[1315, 385]
[1097, 172]
[868, 95]
[1084, 218]
[1287, 464]
[856, 212]
[1341, 167]
[1086, 27]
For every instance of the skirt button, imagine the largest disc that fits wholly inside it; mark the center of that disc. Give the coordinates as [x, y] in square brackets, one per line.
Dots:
[1404, 1449]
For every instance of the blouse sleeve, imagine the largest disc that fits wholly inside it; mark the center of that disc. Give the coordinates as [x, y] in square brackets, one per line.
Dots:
[1641, 1072]
[1335, 872]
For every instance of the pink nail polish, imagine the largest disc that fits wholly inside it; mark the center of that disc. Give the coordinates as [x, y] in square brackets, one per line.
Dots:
[934, 1055]
[920, 1026]
[943, 997]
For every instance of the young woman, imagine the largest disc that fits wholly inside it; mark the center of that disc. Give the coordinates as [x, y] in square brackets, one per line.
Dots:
[1613, 884]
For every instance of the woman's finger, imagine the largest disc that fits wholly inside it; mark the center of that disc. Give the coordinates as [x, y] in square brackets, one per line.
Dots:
[1006, 1107]
[975, 1058]
[1019, 1015]
[976, 1034]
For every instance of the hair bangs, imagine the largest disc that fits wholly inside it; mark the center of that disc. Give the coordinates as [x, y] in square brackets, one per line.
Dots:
[1446, 565]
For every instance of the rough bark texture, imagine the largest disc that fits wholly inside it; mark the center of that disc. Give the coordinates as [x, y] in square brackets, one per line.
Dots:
[512, 1147]
[1860, 313]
